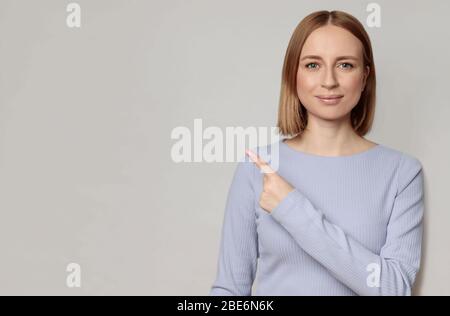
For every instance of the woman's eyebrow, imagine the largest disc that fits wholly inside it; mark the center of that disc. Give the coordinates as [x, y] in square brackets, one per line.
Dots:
[337, 58]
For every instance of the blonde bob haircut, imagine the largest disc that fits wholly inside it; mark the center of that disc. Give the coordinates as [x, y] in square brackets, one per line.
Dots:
[292, 115]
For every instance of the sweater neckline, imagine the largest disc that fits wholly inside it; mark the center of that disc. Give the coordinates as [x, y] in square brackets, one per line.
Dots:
[305, 154]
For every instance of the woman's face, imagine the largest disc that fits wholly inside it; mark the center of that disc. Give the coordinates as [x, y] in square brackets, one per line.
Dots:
[331, 64]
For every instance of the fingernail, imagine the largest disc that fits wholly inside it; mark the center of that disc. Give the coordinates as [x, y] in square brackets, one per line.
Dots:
[251, 154]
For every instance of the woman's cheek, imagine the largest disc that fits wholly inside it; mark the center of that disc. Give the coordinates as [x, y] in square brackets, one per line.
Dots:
[308, 80]
[307, 87]
[352, 90]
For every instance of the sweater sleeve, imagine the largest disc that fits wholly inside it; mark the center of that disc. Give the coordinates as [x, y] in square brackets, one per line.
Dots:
[238, 254]
[393, 270]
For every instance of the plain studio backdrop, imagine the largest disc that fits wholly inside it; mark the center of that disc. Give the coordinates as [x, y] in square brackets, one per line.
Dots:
[86, 116]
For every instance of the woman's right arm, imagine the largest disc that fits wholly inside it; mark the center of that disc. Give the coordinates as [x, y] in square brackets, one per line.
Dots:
[238, 255]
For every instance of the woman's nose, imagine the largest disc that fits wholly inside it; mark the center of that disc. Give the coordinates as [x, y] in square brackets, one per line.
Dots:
[329, 79]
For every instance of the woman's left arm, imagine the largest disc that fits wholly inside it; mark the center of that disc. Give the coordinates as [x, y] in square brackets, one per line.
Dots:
[393, 270]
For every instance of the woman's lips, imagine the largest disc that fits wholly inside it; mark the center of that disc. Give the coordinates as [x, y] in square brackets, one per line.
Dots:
[330, 100]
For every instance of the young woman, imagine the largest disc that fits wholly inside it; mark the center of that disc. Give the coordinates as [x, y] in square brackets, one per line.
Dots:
[342, 215]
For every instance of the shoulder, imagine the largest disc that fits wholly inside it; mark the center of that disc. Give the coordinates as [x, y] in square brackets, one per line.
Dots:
[409, 167]
[403, 159]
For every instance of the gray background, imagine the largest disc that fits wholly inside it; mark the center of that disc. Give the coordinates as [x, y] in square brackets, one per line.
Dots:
[86, 115]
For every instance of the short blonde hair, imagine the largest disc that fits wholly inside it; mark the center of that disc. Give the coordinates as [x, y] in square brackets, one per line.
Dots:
[292, 115]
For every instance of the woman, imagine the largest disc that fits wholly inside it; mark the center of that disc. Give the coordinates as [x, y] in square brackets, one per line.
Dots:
[342, 215]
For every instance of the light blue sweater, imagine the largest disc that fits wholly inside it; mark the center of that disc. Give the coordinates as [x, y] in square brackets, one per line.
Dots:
[352, 226]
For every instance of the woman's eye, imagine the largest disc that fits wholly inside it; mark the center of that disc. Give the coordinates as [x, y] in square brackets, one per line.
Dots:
[308, 65]
[315, 66]
[348, 65]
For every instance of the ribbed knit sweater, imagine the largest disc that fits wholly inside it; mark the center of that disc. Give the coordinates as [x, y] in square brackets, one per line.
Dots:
[352, 226]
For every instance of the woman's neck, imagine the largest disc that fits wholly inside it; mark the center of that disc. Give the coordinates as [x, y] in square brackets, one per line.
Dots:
[321, 143]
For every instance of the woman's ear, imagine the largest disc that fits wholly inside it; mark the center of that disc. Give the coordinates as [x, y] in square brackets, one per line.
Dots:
[366, 74]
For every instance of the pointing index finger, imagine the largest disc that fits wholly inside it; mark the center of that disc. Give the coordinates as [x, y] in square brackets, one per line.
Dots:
[260, 163]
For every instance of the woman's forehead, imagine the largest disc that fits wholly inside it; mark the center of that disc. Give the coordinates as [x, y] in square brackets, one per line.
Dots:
[330, 41]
